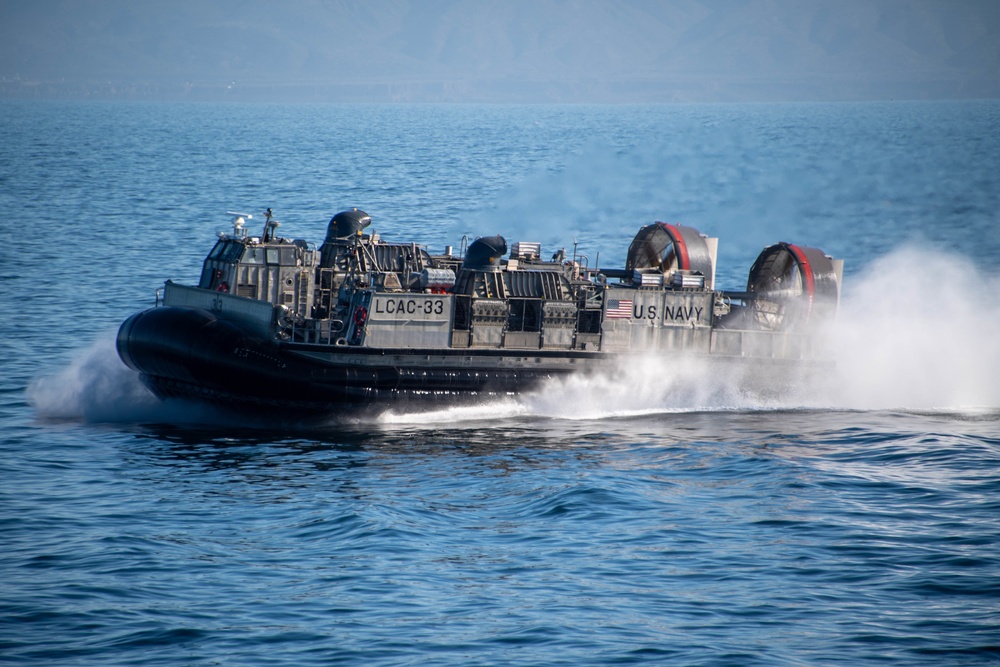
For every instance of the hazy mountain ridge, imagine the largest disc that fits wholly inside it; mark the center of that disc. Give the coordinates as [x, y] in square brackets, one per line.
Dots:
[520, 50]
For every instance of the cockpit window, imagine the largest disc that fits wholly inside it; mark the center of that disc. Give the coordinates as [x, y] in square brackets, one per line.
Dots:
[226, 251]
[253, 255]
[233, 252]
[217, 250]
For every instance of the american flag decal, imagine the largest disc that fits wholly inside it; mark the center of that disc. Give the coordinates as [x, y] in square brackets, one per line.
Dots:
[619, 308]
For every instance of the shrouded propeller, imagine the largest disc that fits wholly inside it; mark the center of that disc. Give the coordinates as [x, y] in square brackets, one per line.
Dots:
[792, 287]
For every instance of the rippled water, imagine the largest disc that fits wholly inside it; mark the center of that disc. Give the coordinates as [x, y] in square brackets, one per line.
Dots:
[655, 515]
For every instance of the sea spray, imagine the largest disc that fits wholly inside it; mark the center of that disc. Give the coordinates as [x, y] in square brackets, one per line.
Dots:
[648, 383]
[97, 387]
[917, 330]
[474, 414]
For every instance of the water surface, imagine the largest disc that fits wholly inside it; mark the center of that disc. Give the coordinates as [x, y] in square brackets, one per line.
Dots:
[652, 516]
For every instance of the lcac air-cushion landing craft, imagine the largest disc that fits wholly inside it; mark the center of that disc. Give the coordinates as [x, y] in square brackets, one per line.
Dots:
[276, 323]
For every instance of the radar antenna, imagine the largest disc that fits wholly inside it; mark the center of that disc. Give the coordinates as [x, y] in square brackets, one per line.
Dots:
[239, 219]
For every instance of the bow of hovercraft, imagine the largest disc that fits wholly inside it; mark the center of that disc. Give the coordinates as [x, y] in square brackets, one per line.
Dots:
[191, 353]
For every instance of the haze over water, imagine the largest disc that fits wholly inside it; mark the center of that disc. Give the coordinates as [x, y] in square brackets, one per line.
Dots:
[653, 515]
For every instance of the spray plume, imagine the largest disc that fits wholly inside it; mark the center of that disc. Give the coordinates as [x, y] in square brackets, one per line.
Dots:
[918, 330]
[96, 387]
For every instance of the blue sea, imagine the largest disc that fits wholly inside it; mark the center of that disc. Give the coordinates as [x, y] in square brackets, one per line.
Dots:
[656, 515]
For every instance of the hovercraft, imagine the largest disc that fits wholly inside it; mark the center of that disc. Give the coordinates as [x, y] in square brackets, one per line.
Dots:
[361, 320]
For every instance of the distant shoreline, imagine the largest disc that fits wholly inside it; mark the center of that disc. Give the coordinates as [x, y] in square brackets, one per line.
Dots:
[490, 92]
